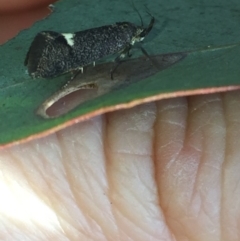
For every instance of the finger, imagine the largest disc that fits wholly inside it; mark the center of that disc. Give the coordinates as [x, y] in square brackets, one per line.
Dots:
[11, 6]
[131, 173]
[18, 15]
[189, 164]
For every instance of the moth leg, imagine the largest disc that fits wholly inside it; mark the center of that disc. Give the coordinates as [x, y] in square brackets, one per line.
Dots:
[76, 72]
[154, 63]
[119, 59]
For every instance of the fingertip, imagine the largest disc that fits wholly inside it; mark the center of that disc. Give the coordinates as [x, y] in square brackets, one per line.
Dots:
[16, 6]
[20, 15]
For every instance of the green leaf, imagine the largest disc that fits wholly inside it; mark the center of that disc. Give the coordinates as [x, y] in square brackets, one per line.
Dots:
[206, 30]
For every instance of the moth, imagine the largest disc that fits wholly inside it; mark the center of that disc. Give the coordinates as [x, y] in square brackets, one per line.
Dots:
[52, 53]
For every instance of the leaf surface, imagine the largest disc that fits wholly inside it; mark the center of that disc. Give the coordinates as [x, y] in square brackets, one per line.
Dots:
[205, 32]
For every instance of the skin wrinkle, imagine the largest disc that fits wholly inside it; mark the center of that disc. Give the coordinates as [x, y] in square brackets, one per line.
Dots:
[28, 177]
[166, 144]
[176, 155]
[200, 169]
[182, 179]
[107, 158]
[222, 182]
[207, 123]
[45, 160]
[127, 145]
[6, 232]
[17, 225]
[173, 123]
[36, 190]
[203, 104]
[133, 154]
[33, 187]
[45, 199]
[69, 229]
[134, 224]
[235, 188]
[129, 218]
[169, 106]
[195, 148]
[62, 216]
[90, 200]
[182, 152]
[120, 233]
[165, 108]
[117, 233]
[195, 183]
[154, 154]
[212, 167]
[139, 229]
[197, 105]
[143, 184]
[230, 202]
[184, 216]
[114, 149]
[92, 155]
[87, 199]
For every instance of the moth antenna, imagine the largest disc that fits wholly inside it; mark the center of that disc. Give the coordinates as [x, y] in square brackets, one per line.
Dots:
[139, 15]
[154, 63]
[147, 11]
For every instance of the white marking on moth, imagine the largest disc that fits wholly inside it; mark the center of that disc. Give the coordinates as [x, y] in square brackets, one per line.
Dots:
[136, 39]
[122, 55]
[69, 37]
[81, 69]
[94, 64]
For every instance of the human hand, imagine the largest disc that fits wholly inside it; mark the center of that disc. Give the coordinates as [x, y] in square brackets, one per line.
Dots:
[160, 171]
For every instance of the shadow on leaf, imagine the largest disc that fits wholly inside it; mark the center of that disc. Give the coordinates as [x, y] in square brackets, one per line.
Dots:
[96, 81]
